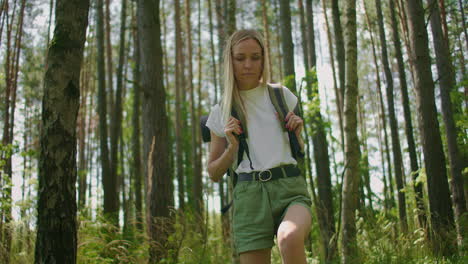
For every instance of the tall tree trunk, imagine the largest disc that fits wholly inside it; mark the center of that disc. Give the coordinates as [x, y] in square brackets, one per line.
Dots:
[352, 155]
[82, 134]
[116, 118]
[407, 115]
[155, 131]
[108, 48]
[440, 204]
[267, 37]
[56, 221]
[11, 72]
[213, 54]
[365, 153]
[196, 178]
[320, 146]
[310, 33]
[338, 97]
[230, 16]
[278, 39]
[110, 211]
[396, 148]
[287, 46]
[462, 10]
[446, 84]
[136, 145]
[388, 190]
[340, 50]
[179, 76]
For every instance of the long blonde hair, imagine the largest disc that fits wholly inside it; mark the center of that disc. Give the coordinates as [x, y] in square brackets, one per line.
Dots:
[231, 94]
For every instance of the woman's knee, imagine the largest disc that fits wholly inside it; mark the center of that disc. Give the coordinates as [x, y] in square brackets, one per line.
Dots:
[290, 237]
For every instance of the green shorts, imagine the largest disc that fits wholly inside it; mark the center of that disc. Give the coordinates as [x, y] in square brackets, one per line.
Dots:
[259, 207]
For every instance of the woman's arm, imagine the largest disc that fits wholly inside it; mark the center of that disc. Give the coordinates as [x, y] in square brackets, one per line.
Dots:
[222, 157]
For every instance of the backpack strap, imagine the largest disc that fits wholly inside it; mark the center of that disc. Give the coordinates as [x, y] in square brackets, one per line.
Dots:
[279, 102]
[243, 146]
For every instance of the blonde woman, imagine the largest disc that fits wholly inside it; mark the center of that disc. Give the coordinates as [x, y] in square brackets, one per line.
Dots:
[270, 197]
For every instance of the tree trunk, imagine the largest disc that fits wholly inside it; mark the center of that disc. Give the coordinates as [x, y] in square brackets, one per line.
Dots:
[116, 117]
[446, 84]
[155, 131]
[108, 48]
[352, 155]
[388, 188]
[440, 204]
[56, 221]
[340, 49]
[396, 148]
[267, 37]
[338, 97]
[196, 177]
[365, 153]
[320, 145]
[407, 115]
[287, 46]
[310, 33]
[108, 183]
[82, 135]
[179, 76]
[213, 54]
[11, 72]
[136, 145]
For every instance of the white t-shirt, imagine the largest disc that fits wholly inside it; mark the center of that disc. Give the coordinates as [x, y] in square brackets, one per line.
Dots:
[268, 143]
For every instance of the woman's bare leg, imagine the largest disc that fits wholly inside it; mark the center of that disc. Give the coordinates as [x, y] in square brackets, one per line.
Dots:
[291, 234]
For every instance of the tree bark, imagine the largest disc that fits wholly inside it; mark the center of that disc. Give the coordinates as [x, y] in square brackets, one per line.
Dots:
[388, 188]
[287, 46]
[447, 82]
[179, 76]
[108, 48]
[440, 204]
[136, 143]
[108, 183]
[267, 37]
[407, 115]
[116, 118]
[396, 148]
[338, 97]
[155, 131]
[320, 145]
[352, 155]
[340, 49]
[56, 221]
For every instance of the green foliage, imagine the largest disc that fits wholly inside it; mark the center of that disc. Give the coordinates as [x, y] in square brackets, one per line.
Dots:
[380, 243]
[100, 242]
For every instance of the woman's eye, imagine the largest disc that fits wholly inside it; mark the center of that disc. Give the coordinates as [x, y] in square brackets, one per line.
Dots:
[239, 59]
[255, 58]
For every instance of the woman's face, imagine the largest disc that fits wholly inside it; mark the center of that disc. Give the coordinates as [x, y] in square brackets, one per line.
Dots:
[248, 63]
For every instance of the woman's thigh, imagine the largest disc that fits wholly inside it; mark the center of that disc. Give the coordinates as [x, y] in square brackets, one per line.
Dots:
[262, 256]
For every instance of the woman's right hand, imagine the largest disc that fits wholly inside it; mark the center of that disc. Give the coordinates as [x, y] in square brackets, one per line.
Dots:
[233, 128]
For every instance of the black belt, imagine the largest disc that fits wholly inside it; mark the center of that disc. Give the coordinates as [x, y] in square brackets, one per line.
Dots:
[284, 171]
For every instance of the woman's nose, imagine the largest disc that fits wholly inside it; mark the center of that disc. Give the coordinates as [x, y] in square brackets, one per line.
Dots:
[247, 63]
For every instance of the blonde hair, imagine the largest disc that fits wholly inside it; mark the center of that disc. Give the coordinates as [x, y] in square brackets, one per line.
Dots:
[231, 95]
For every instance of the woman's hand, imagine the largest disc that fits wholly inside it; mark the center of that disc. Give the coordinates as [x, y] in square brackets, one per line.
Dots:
[232, 129]
[294, 123]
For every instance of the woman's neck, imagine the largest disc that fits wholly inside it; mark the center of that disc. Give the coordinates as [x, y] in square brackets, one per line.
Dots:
[248, 86]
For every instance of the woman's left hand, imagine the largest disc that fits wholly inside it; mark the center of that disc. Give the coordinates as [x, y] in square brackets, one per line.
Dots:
[294, 123]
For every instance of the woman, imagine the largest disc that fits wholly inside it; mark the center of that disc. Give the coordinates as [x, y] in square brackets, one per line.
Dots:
[271, 197]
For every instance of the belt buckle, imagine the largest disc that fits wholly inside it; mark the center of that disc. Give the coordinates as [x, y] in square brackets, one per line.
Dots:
[267, 179]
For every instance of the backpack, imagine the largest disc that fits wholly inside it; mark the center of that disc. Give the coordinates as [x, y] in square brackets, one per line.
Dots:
[279, 102]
